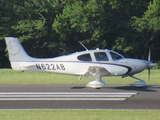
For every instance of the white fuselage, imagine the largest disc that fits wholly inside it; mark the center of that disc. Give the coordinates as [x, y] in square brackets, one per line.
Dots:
[72, 64]
[98, 63]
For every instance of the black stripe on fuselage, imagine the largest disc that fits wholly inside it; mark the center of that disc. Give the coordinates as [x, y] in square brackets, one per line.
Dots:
[129, 68]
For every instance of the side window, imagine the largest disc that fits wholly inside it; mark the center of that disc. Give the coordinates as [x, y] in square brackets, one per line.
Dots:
[101, 56]
[84, 57]
[115, 56]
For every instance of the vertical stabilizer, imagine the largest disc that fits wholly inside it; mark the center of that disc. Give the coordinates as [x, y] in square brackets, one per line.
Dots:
[16, 52]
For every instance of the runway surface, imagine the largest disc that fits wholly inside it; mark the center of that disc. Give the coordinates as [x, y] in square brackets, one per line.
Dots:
[79, 97]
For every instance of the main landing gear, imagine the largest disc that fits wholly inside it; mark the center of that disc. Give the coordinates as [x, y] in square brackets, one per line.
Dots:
[98, 83]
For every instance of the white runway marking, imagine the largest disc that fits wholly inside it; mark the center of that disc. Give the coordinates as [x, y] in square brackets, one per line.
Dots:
[62, 96]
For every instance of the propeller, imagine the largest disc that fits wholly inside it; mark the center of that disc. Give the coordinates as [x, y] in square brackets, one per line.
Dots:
[148, 66]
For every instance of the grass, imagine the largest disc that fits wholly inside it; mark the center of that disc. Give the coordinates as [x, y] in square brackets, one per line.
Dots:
[9, 76]
[79, 114]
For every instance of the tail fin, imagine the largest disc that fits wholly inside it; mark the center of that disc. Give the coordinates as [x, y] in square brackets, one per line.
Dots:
[16, 52]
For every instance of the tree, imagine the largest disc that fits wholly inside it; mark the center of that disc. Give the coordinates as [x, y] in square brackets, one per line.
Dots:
[130, 40]
[148, 27]
[6, 20]
[31, 21]
[80, 21]
[34, 26]
[50, 28]
[104, 24]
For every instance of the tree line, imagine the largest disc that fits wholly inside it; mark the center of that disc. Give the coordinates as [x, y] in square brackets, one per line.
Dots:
[49, 28]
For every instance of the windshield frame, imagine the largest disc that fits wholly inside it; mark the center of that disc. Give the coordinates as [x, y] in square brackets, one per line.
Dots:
[116, 56]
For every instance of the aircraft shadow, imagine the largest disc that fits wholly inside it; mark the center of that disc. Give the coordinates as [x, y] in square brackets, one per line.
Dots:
[79, 87]
[148, 88]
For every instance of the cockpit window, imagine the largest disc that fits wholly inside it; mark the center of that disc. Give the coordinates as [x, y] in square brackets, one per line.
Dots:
[84, 57]
[115, 56]
[101, 56]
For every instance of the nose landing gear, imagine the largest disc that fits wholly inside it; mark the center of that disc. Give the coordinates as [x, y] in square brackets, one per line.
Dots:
[139, 84]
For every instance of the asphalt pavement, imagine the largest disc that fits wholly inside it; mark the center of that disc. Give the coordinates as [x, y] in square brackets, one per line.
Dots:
[79, 97]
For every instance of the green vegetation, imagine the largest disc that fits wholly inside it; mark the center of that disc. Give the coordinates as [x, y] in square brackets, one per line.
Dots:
[9, 76]
[50, 28]
[79, 114]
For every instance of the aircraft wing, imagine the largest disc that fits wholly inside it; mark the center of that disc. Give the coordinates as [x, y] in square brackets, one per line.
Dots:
[96, 70]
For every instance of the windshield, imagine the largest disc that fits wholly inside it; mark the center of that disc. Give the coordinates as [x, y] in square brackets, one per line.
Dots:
[116, 56]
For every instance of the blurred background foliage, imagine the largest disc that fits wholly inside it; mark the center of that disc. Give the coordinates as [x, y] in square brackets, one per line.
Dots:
[50, 28]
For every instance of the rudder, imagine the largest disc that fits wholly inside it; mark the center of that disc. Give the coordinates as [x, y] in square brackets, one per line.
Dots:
[16, 52]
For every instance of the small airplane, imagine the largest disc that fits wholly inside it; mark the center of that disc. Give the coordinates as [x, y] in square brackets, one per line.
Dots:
[97, 63]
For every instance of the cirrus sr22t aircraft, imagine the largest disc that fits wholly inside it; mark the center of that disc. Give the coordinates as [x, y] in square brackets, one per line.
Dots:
[98, 63]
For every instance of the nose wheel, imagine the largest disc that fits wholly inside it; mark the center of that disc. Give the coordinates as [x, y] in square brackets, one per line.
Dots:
[139, 84]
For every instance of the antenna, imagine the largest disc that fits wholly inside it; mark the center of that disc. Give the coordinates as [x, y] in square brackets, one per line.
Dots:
[83, 45]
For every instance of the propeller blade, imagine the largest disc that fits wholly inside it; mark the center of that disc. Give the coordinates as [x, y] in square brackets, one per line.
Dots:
[149, 55]
[149, 71]
[149, 59]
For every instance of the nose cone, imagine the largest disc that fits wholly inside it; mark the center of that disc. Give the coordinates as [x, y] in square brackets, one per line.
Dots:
[150, 64]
